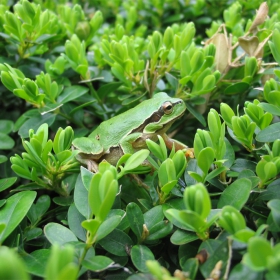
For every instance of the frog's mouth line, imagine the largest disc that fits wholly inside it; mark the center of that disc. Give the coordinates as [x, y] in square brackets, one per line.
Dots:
[155, 118]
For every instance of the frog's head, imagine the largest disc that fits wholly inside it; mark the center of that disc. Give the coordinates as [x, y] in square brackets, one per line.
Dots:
[168, 110]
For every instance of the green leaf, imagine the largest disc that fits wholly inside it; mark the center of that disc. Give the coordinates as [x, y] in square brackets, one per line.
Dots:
[259, 251]
[160, 230]
[12, 266]
[244, 235]
[173, 215]
[215, 173]
[191, 265]
[205, 159]
[236, 88]
[91, 225]
[236, 194]
[75, 218]
[196, 114]
[242, 271]
[6, 183]
[81, 198]
[39, 208]
[153, 216]
[36, 261]
[6, 142]
[193, 220]
[275, 210]
[196, 199]
[98, 263]
[14, 211]
[59, 234]
[35, 122]
[105, 89]
[135, 218]
[180, 237]
[33, 233]
[108, 226]
[273, 109]
[139, 255]
[86, 177]
[216, 251]
[6, 126]
[269, 134]
[72, 93]
[156, 150]
[116, 243]
[3, 159]
[231, 219]
[60, 264]
[136, 159]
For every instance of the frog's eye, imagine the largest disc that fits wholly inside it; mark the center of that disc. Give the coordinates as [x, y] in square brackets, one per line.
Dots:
[167, 107]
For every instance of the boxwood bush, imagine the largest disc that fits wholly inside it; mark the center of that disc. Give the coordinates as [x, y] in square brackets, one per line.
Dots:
[157, 214]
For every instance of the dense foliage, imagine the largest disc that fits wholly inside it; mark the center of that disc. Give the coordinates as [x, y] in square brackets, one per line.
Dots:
[67, 66]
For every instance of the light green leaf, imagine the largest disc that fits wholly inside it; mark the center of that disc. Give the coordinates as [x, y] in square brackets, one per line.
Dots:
[14, 211]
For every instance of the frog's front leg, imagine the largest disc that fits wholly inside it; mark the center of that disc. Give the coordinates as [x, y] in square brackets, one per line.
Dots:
[90, 152]
[169, 142]
[132, 142]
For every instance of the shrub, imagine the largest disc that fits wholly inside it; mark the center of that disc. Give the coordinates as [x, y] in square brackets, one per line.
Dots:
[157, 213]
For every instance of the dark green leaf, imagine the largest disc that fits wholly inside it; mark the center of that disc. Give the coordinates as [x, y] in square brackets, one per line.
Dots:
[275, 210]
[104, 90]
[273, 109]
[191, 266]
[86, 177]
[236, 194]
[3, 159]
[241, 164]
[33, 233]
[196, 114]
[35, 123]
[241, 271]
[39, 208]
[160, 230]
[116, 243]
[6, 126]
[236, 88]
[36, 262]
[71, 93]
[139, 255]
[81, 198]
[6, 142]
[98, 263]
[153, 216]
[216, 251]
[271, 192]
[74, 220]
[269, 134]
[63, 201]
[135, 218]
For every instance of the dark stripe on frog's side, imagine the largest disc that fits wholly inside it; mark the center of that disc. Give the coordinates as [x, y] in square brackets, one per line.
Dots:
[154, 118]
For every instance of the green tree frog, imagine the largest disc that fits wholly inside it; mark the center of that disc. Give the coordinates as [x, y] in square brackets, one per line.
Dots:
[128, 132]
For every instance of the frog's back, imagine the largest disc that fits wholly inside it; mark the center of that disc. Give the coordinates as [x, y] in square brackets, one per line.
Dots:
[110, 132]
